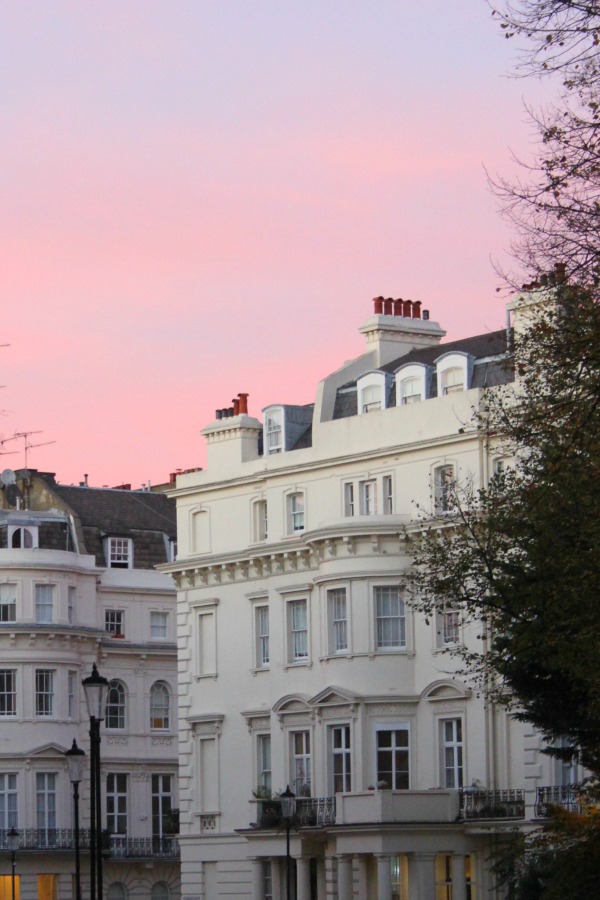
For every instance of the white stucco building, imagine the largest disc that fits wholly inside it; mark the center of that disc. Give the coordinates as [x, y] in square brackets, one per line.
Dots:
[300, 662]
[78, 586]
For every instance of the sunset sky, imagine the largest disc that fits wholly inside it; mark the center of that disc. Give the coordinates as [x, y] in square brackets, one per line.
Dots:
[201, 197]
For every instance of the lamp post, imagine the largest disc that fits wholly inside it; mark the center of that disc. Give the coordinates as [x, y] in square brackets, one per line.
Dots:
[75, 763]
[96, 688]
[12, 839]
[288, 808]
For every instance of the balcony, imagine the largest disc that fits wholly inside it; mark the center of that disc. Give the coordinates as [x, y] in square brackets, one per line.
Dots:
[310, 812]
[507, 804]
[117, 846]
[566, 796]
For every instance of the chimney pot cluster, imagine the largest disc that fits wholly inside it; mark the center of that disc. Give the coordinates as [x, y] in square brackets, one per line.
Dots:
[407, 309]
[557, 276]
[239, 408]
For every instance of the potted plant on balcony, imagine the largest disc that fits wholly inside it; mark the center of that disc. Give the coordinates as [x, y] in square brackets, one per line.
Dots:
[268, 808]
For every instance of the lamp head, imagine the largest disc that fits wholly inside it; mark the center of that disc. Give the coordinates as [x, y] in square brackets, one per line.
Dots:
[96, 689]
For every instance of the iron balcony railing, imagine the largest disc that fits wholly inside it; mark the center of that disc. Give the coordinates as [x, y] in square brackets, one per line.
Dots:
[567, 796]
[115, 845]
[310, 811]
[507, 804]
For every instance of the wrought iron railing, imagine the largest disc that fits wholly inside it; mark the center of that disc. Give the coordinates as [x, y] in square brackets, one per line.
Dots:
[116, 845]
[155, 848]
[507, 804]
[567, 796]
[310, 811]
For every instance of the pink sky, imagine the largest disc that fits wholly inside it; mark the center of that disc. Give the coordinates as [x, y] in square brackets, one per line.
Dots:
[201, 197]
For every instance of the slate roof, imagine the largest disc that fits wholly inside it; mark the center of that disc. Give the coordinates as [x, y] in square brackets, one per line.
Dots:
[487, 373]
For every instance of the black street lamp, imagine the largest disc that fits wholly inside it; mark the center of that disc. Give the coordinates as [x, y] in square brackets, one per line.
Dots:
[75, 757]
[12, 839]
[288, 809]
[96, 688]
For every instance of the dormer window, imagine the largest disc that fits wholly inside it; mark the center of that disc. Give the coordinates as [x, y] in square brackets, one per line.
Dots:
[370, 399]
[273, 431]
[412, 380]
[453, 380]
[23, 537]
[372, 392]
[453, 373]
[119, 553]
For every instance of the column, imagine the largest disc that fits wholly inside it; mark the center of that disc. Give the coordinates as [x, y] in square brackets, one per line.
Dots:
[422, 874]
[345, 885]
[302, 878]
[384, 877]
[257, 879]
[459, 880]
[360, 889]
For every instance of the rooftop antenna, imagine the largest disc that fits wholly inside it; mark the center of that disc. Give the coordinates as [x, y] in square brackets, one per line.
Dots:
[26, 445]
[4, 441]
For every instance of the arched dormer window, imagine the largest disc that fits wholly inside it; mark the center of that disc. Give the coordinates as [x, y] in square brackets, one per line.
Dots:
[412, 383]
[372, 392]
[454, 372]
[115, 705]
[160, 702]
[23, 537]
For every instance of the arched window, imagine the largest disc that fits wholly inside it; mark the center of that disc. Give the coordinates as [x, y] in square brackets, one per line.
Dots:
[453, 380]
[160, 891]
[115, 705]
[117, 891]
[159, 706]
[411, 389]
[24, 538]
[370, 398]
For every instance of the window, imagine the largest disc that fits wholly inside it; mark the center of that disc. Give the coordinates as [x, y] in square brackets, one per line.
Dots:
[71, 694]
[341, 762]
[295, 506]
[443, 489]
[117, 891]
[297, 614]
[8, 801]
[206, 645]
[162, 805]
[390, 619]
[115, 705]
[368, 498]
[453, 380]
[158, 625]
[452, 753]
[20, 538]
[410, 391]
[114, 622]
[388, 495]
[160, 891]
[45, 791]
[470, 877]
[273, 432]
[393, 757]
[260, 520]
[399, 866]
[448, 626]
[172, 551]
[71, 593]
[116, 803]
[159, 706]
[263, 754]
[370, 398]
[443, 876]
[261, 614]
[8, 603]
[44, 603]
[47, 887]
[119, 553]
[8, 692]
[267, 880]
[336, 601]
[44, 692]
[301, 763]
[349, 499]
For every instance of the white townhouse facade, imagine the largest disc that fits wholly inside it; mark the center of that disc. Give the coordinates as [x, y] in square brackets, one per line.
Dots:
[78, 586]
[300, 662]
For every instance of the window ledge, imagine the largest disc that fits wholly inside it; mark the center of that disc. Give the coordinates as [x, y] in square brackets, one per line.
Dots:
[257, 669]
[213, 675]
[299, 664]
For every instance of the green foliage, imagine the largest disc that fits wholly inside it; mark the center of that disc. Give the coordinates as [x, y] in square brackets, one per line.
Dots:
[520, 557]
